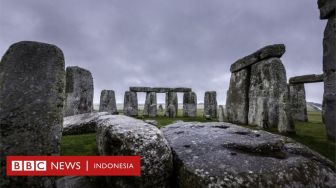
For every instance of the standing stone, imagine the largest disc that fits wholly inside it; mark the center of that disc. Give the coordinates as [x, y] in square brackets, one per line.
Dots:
[189, 104]
[327, 11]
[79, 91]
[298, 102]
[171, 104]
[130, 103]
[150, 108]
[210, 104]
[222, 116]
[268, 90]
[237, 97]
[108, 102]
[32, 80]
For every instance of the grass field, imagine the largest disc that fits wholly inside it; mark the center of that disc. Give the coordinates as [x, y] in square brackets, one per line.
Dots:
[311, 134]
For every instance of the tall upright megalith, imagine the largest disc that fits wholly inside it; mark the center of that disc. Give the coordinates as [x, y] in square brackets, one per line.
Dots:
[268, 95]
[210, 104]
[108, 102]
[171, 104]
[32, 79]
[79, 91]
[297, 98]
[189, 104]
[237, 97]
[130, 103]
[150, 108]
[327, 11]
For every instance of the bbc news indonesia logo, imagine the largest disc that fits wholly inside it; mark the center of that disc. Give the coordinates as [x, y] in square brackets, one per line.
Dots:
[73, 166]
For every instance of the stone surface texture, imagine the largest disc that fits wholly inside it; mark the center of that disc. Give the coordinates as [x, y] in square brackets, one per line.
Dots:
[297, 97]
[210, 104]
[171, 104]
[77, 182]
[234, 156]
[237, 97]
[122, 135]
[79, 91]
[130, 103]
[189, 104]
[81, 123]
[32, 79]
[275, 50]
[311, 78]
[327, 11]
[150, 108]
[108, 102]
[268, 95]
[222, 116]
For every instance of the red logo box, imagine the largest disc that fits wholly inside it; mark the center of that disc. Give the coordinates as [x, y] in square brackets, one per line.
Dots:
[73, 166]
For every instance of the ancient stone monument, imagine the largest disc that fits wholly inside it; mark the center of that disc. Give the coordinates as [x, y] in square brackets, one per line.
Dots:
[258, 92]
[150, 108]
[327, 11]
[210, 105]
[131, 103]
[108, 102]
[297, 95]
[32, 80]
[79, 91]
[171, 107]
[189, 104]
[221, 113]
[171, 104]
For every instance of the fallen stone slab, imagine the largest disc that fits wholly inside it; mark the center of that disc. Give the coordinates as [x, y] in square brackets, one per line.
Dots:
[81, 123]
[122, 135]
[275, 50]
[311, 78]
[226, 155]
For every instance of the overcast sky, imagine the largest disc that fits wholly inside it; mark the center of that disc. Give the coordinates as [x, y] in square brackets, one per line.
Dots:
[169, 43]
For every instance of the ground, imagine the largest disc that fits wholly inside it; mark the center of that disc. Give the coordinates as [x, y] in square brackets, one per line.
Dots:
[311, 134]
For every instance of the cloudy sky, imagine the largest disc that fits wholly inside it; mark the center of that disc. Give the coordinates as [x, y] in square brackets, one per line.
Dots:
[186, 43]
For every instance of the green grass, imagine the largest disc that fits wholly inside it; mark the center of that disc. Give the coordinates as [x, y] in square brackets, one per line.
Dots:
[311, 134]
[84, 144]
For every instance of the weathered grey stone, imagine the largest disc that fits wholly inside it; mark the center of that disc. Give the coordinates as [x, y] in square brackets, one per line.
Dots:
[210, 104]
[189, 104]
[276, 50]
[81, 123]
[130, 103]
[150, 108]
[140, 89]
[160, 89]
[311, 78]
[108, 102]
[32, 79]
[329, 69]
[77, 182]
[221, 114]
[268, 88]
[122, 135]
[237, 97]
[327, 8]
[79, 91]
[171, 104]
[298, 102]
[226, 155]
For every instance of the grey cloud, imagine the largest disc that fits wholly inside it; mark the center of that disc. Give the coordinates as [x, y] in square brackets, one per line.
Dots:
[168, 43]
